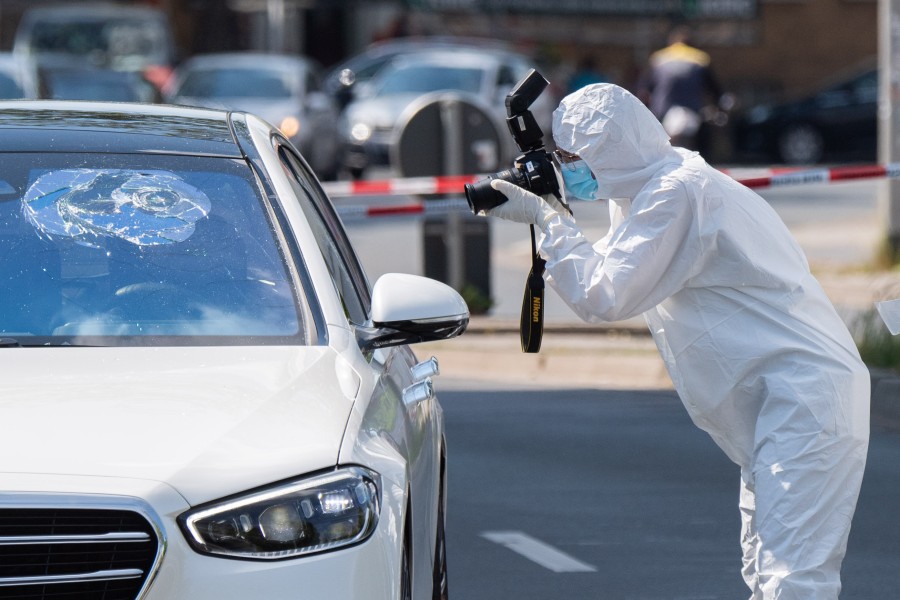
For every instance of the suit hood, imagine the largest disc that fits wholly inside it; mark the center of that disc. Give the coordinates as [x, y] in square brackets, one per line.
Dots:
[618, 137]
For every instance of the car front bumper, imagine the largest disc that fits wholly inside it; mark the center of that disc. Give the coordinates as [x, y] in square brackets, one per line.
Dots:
[369, 570]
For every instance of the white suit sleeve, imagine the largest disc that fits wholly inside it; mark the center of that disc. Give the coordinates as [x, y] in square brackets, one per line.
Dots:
[649, 256]
[617, 213]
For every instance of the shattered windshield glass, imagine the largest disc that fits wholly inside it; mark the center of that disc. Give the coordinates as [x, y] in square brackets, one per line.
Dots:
[143, 207]
[143, 248]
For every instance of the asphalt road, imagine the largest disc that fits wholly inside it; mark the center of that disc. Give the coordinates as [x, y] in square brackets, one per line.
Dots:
[613, 493]
[600, 494]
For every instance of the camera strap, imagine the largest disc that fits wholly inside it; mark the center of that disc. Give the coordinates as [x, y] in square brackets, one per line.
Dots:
[531, 324]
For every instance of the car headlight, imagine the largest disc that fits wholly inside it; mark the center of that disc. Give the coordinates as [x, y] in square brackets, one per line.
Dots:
[300, 517]
[361, 132]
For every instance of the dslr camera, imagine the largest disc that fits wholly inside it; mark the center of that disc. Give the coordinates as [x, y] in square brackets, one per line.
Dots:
[533, 169]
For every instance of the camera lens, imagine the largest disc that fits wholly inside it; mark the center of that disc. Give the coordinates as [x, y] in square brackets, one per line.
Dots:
[482, 197]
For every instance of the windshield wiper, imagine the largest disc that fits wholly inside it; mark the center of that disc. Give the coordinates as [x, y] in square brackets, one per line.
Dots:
[9, 343]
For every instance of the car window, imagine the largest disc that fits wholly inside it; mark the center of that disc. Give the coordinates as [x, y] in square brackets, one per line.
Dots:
[85, 85]
[236, 83]
[349, 279]
[865, 89]
[430, 78]
[366, 72]
[122, 249]
[120, 43]
[862, 89]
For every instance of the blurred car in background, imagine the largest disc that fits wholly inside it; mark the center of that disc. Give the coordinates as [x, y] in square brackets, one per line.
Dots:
[838, 122]
[284, 90]
[370, 123]
[341, 80]
[117, 37]
[16, 79]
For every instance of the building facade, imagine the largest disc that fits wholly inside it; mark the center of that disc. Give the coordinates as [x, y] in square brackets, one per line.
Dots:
[760, 49]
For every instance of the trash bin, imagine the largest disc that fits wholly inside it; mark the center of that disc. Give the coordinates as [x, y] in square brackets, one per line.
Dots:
[451, 133]
[476, 257]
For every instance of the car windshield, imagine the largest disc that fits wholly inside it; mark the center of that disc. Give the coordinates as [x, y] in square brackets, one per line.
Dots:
[103, 249]
[237, 83]
[127, 44]
[430, 78]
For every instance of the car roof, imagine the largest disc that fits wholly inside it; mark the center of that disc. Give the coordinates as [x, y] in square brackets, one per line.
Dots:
[107, 127]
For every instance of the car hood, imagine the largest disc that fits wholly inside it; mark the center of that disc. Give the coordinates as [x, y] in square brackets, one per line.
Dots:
[207, 421]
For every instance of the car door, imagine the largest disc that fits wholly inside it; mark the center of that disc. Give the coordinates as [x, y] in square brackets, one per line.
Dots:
[418, 432]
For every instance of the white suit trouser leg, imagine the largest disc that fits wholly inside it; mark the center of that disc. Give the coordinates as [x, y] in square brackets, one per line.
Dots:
[796, 510]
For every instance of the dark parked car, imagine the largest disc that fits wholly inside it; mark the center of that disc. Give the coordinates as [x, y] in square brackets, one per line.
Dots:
[202, 396]
[838, 122]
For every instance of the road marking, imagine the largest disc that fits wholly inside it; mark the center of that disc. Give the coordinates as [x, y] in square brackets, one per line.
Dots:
[537, 551]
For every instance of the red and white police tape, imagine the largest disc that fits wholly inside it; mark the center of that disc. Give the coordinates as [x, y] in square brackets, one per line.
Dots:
[454, 184]
[824, 175]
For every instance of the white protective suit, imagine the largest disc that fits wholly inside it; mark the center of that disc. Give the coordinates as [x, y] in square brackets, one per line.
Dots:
[756, 351]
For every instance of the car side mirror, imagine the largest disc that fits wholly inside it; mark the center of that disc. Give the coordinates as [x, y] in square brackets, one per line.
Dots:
[408, 309]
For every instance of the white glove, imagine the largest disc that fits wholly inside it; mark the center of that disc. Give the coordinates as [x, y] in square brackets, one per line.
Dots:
[521, 206]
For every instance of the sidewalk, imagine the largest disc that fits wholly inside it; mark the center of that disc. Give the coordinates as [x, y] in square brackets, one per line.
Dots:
[616, 356]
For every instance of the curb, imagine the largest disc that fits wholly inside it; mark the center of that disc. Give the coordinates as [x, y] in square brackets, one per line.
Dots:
[885, 400]
[481, 325]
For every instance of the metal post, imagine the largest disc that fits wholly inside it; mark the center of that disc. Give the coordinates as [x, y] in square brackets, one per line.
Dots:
[889, 118]
[275, 15]
[451, 120]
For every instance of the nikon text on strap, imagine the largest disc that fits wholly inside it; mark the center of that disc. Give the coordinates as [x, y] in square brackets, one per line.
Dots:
[531, 325]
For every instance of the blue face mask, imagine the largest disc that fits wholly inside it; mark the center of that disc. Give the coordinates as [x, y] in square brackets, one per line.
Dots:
[579, 181]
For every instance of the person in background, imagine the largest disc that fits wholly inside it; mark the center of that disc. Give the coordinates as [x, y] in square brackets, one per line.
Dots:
[586, 73]
[681, 89]
[755, 349]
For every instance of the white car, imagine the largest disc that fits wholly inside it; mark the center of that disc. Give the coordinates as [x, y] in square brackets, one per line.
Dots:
[362, 67]
[202, 397]
[284, 90]
[371, 124]
[98, 35]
